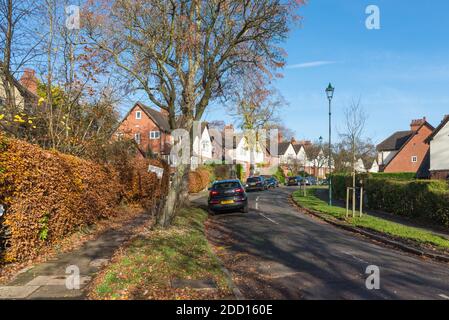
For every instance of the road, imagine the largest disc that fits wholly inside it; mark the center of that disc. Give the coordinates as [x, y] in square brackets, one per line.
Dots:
[277, 252]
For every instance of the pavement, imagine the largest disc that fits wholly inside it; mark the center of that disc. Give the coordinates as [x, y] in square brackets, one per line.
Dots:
[277, 252]
[68, 274]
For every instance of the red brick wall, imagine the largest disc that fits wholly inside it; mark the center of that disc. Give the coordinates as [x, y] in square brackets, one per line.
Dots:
[130, 126]
[440, 175]
[415, 147]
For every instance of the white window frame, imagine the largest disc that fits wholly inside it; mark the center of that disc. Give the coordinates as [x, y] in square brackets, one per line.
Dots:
[205, 145]
[414, 159]
[138, 138]
[155, 135]
[138, 115]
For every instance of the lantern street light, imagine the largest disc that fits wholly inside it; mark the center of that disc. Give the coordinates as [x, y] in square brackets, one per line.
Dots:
[330, 94]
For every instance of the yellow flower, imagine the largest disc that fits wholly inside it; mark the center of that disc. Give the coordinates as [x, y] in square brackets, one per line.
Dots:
[41, 100]
[2, 116]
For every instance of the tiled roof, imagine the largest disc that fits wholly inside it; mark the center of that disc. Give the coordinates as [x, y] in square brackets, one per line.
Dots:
[159, 118]
[395, 141]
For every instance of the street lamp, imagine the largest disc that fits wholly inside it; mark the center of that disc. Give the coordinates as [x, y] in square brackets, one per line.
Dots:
[330, 95]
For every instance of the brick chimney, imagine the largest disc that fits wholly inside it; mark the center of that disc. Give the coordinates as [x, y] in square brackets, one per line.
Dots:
[280, 137]
[416, 124]
[29, 80]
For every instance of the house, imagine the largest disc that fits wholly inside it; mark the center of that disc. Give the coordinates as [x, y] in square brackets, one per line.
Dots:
[406, 151]
[202, 144]
[149, 128]
[25, 91]
[374, 167]
[439, 150]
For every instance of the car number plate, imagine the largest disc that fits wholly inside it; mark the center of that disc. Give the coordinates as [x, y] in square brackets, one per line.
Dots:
[227, 202]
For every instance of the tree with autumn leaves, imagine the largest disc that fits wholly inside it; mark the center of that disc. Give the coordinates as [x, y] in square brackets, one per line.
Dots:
[184, 54]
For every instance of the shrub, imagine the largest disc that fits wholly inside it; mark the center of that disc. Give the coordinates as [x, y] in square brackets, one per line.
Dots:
[280, 175]
[49, 195]
[423, 199]
[198, 180]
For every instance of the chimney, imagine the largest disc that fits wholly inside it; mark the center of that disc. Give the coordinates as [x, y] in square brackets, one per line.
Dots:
[280, 138]
[416, 124]
[293, 141]
[29, 80]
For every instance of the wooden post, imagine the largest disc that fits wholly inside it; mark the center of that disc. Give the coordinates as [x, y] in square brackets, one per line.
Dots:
[361, 202]
[347, 202]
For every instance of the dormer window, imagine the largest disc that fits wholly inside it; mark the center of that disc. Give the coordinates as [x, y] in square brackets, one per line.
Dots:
[138, 115]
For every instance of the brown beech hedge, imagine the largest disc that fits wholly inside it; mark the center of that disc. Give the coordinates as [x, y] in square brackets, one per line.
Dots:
[49, 195]
[198, 180]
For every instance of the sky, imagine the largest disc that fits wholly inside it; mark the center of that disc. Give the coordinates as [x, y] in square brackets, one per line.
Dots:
[399, 72]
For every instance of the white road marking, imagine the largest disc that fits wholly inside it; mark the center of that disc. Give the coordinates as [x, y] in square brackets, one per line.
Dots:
[444, 296]
[257, 203]
[268, 218]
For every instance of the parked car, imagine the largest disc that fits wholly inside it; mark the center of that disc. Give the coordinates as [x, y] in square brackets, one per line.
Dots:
[227, 195]
[294, 181]
[311, 181]
[256, 183]
[273, 182]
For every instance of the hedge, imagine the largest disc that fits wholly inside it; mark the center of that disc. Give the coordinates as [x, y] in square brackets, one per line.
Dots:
[423, 199]
[394, 175]
[426, 200]
[49, 195]
[198, 180]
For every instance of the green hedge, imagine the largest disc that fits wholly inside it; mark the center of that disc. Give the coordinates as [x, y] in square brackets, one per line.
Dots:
[395, 176]
[423, 199]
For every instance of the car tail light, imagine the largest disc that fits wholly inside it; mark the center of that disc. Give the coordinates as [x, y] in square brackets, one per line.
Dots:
[213, 193]
[239, 190]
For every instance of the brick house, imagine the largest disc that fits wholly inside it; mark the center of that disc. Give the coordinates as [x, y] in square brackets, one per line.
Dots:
[25, 91]
[406, 151]
[439, 150]
[149, 128]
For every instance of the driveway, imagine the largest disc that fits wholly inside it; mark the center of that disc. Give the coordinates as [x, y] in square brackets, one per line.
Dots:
[277, 252]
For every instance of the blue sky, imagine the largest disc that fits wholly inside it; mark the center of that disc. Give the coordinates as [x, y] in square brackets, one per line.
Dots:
[400, 72]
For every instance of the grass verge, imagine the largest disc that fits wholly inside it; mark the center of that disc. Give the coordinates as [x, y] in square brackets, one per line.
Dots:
[145, 269]
[392, 229]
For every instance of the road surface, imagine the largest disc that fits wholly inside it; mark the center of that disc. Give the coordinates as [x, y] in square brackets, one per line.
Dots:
[277, 252]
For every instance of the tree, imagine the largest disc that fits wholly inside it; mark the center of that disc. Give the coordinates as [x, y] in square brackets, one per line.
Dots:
[355, 119]
[254, 107]
[317, 154]
[184, 54]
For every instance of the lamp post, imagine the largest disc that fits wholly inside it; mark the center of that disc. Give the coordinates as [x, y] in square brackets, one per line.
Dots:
[330, 95]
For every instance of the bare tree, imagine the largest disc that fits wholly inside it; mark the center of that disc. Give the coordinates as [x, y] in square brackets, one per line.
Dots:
[355, 120]
[184, 53]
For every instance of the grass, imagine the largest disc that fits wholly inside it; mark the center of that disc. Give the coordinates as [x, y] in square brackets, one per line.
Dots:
[144, 270]
[312, 202]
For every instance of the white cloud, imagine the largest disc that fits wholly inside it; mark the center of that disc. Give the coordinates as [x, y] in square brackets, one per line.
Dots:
[310, 64]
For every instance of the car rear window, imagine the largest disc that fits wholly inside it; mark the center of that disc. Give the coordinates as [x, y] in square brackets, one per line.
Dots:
[253, 180]
[292, 178]
[226, 185]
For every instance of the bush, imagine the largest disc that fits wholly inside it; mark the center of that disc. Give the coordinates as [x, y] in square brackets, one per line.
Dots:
[280, 175]
[49, 195]
[198, 180]
[423, 199]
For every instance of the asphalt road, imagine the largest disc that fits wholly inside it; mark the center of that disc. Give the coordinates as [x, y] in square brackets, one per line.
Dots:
[277, 252]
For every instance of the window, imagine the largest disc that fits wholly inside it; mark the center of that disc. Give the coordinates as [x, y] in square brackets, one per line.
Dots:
[137, 138]
[205, 145]
[138, 115]
[414, 159]
[155, 135]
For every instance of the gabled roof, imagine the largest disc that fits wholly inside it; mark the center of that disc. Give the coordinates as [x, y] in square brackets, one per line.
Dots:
[283, 147]
[438, 129]
[297, 147]
[158, 118]
[395, 141]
